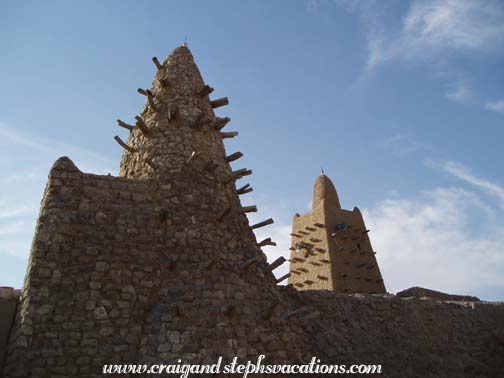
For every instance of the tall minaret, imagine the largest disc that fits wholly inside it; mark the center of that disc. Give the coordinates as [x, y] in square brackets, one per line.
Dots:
[330, 247]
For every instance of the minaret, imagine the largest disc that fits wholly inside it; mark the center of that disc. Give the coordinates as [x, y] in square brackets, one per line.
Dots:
[330, 247]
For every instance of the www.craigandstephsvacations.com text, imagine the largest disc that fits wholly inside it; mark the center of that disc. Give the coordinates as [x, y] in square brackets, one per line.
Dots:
[258, 367]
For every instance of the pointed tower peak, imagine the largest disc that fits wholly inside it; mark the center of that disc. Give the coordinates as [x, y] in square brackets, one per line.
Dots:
[324, 189]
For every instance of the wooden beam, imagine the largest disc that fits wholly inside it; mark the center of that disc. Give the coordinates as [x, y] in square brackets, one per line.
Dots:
[275, 264]
[219, 123]
[249, 209]
[249, 262]
[191, 158]
[243, 188]
[270, 313]
[230, 134]
[125, 125]
[151, 163]
[124, 145]
[284, 277]
[223, 214]
[263, 223]
[233, 157]
[172, 114]
[231, 311]
[142, 91]
[156, 62]
[210, 166]
[320, 225]
[205, 91]
[180, 309]
[142, 125]
[238, 174]
[219, 102]
[266, 242]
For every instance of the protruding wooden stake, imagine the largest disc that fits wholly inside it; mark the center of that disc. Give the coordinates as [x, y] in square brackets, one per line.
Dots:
[284, 277]
[266, 242]
[230, 134]
[272, 310]
[238, 174]
[142, 91]
[124, 145]
[210, 166]
[180, 309]
[310, 228]
[224, 212]
[125, 125]
[263, 223]
[210, 264]
[303, 233]
[205, 91]
[249, 209]
[319, 225]
[172, 114]
[231, 312]
[142, 125]
[244, 189]
[233, 157]
[365, 232]
[295, 235]
[275, 264]
[151, 163]
[191, 158]
[172, 263]
[249, 262]
[150, 99]
[219, 102]
[156, 62]
[219, 123]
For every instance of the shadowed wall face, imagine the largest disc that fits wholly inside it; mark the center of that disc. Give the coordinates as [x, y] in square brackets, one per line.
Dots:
[330, 247]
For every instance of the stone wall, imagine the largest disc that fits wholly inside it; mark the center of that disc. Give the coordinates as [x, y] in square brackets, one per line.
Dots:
[8, 303]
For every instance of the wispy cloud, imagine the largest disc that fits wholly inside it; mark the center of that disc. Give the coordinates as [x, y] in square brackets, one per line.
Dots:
[459, 92]
[463, 173]
[402, 145]
[88, 159]
[431, 29]
[496, 106]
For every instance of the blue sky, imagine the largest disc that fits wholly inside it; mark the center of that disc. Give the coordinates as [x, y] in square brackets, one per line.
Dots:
[401, 103]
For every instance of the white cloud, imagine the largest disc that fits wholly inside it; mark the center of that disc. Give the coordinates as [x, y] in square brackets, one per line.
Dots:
[463, 173]
[496, 106]
[428, 241]
[433, 28]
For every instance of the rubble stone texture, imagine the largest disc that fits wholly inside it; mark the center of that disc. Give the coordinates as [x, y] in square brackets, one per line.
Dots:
[161, 264]
[330, 247]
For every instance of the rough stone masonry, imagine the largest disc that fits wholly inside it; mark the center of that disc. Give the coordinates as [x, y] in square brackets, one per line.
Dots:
[161, 264]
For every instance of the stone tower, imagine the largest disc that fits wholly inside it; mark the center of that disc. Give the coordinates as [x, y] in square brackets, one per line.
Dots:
[330, 247]
[152, 265]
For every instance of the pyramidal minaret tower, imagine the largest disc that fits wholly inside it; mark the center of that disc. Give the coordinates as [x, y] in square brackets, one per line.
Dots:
[330, 247]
